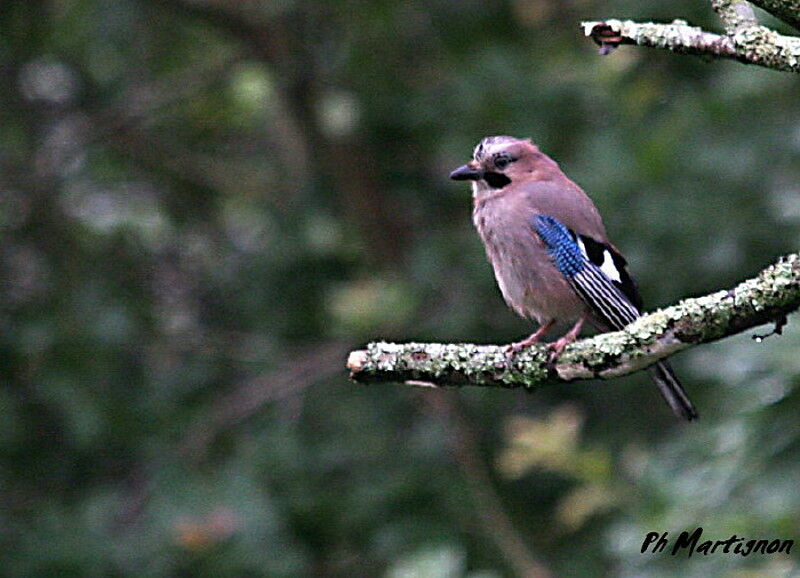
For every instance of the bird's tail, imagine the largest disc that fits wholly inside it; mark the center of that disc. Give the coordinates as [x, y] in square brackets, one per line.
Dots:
[672, 391]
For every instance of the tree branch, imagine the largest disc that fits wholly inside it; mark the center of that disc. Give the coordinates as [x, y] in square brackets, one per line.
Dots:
[736, 15]
[748, 43]
[786, 10]
[770, 296]
[677, 37]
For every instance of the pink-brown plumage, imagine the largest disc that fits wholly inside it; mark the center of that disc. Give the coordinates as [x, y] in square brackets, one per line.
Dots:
[513, 183]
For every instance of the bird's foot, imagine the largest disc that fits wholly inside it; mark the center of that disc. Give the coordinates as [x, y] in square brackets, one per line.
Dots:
[557, 347]
[534, 337]
[514, 348]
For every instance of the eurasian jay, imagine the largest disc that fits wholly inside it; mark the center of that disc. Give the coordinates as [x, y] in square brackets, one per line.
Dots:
[551, 257]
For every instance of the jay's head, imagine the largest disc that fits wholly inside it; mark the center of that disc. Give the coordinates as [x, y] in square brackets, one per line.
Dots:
[500, 160]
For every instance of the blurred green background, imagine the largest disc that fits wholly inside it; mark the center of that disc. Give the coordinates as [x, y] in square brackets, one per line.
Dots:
[205, 204]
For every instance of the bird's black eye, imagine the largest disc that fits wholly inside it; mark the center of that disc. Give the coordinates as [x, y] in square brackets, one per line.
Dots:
[502, 161]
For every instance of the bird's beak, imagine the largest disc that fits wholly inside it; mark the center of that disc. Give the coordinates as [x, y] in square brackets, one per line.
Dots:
[467, 173]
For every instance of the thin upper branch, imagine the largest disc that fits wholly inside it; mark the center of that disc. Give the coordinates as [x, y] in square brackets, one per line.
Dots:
[677, 36]
[770, 296]
[748, 43]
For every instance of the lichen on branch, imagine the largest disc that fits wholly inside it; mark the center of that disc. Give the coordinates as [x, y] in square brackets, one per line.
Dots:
[769, 297]
[745, 40]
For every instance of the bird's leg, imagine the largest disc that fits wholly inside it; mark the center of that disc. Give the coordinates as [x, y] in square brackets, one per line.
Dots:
[530, 340]
[557, 347]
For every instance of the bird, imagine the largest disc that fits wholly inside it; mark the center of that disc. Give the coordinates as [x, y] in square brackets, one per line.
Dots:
[551, 256]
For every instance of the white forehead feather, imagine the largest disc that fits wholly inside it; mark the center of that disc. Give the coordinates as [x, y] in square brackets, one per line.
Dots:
[490, 145]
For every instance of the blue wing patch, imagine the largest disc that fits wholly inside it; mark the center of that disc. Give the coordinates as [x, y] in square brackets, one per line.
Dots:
[610, 303]
[561, 244]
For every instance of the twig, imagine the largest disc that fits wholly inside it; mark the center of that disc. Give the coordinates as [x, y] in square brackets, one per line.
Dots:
[736, 15]
[786, 10]
[306, 368]
[495, 521]
[774, 293]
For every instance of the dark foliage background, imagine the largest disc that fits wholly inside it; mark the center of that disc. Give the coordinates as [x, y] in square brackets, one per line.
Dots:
[205, 204]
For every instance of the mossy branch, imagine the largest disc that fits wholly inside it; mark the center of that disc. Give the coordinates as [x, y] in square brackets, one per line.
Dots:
[745, 40]
[769, 297]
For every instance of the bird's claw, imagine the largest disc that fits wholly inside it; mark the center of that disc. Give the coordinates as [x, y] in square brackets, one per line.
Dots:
[534, 337]
[514, 348]
[557, 348]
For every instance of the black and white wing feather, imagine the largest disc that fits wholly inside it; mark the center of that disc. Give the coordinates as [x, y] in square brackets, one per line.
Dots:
[595, 272]
[598, 275]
